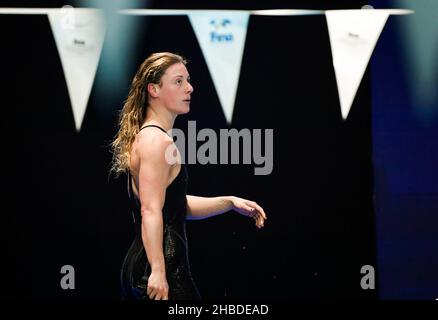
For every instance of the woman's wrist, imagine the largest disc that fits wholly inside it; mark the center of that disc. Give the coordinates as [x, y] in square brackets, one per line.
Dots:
[229, 200]
[158, 268]
[158, 271]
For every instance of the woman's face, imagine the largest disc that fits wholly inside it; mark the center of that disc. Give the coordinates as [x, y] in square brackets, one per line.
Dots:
[176, 89]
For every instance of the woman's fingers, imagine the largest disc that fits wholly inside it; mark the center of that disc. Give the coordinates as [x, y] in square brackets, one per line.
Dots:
[165, 294]
[259, 209]
[254, 205]
[250, 210]
[259, 220]
[262, 212]
[158, 294]
[152, 294]
[157, 288]
[161, 295]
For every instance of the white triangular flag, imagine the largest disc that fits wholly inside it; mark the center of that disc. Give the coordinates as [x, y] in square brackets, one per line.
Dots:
[353, 36]
[79, 35]
[221, 36]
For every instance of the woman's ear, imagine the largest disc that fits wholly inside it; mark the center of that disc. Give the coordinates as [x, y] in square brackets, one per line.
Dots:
[152, 90]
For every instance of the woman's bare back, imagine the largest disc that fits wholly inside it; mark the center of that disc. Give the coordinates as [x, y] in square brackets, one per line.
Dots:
[135, 158]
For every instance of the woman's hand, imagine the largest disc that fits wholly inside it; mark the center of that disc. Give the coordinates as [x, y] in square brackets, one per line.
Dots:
[250, 209]
[158, 289]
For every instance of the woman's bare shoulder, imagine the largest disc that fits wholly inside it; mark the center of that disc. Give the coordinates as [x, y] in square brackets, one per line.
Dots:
[151, 144]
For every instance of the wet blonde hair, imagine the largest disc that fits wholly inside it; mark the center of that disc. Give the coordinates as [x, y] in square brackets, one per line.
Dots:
[133, 113]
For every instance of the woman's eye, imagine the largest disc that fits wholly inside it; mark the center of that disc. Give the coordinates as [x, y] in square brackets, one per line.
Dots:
[179, 81]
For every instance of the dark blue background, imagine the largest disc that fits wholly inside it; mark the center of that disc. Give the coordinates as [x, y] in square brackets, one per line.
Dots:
[405, 155]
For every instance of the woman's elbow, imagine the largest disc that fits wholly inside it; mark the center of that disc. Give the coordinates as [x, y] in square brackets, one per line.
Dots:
[149, 212]
[190, 214]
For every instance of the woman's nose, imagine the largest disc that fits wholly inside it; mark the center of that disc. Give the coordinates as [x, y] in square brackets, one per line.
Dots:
[190, 88]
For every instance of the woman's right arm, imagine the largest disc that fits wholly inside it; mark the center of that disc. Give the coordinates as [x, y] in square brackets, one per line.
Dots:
[153, 179]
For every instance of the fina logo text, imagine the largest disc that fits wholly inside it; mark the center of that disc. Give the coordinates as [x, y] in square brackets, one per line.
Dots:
[220, 32]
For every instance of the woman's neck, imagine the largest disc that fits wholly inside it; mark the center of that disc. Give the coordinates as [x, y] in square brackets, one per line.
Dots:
[163, 119]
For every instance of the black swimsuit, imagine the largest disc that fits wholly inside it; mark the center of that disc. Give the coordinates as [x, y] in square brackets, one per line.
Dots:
[136, 269]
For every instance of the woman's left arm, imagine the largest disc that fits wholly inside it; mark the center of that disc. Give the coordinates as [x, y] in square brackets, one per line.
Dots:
[206, 207]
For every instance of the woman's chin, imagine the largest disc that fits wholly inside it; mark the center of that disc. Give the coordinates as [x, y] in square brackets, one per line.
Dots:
[185, 110]
[181, 111]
